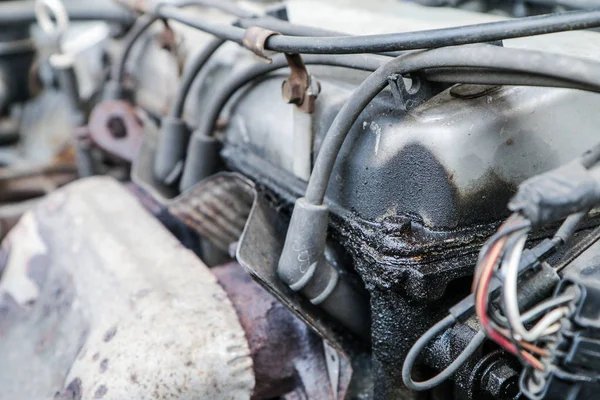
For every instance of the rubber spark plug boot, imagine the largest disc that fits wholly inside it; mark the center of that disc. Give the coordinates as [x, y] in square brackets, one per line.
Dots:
[171, 148]
[202, 160]
[304, 269]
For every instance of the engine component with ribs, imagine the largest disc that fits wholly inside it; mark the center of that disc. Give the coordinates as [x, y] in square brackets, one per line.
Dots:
[362, 180]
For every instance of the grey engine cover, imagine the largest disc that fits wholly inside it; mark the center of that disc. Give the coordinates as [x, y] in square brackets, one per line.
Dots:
[450, 163]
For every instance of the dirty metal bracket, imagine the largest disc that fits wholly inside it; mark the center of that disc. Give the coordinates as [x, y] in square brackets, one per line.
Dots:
[407, 98]
[300, 88]
[217, 208]
[258, 251]
[167, 39]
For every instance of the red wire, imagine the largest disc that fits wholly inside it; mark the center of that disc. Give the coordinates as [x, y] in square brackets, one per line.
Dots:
[481, 294]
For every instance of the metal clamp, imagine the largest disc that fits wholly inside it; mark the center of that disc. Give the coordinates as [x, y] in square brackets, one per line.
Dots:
[408, 98]
[300, 88]
[62, 62]
[255, 39]
[45, 10]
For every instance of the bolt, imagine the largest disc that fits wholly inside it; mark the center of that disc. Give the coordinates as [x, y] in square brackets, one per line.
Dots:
[116, 127]
[292, 93]
[501, 382]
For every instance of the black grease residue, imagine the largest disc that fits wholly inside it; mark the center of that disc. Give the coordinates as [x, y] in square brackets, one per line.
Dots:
[100, 392]
[110, 334]
[72, 391]
[104, 365]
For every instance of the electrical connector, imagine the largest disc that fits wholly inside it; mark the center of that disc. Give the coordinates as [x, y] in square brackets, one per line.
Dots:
[573, 368]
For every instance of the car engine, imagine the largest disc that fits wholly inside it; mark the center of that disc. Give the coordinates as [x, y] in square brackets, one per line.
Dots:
[334, 199]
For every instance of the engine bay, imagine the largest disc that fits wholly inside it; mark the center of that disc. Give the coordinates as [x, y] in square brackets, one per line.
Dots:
[332, 199]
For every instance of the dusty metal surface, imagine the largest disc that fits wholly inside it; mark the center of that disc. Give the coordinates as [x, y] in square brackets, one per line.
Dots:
[271, 330]
[35, 155]
[289, 358]
[104, 303]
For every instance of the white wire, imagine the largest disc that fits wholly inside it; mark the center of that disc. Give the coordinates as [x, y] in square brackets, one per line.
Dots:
[551, 331]
[539, 309]
[510, 267]
[547, 325]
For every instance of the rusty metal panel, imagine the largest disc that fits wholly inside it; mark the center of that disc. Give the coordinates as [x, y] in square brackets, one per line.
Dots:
[99, 301]
[217, 208]
[289, 357]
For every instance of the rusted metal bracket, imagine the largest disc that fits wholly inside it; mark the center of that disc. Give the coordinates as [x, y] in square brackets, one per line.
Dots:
[255, 39]
[115, 128]
[167, 40]
[300, 88]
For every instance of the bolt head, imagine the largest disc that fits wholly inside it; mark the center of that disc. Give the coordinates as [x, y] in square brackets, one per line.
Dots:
[116, 127]
[292, 94]
[502, 382]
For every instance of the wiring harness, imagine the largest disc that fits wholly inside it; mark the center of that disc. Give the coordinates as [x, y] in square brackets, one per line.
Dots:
[568, 193]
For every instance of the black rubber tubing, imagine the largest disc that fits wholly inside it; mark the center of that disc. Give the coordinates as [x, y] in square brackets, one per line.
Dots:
[189, 76]
[202, 58]
[479, 33]
[423, 341]
[486, 76]
[141, 26]
[566, 68]
[291, 29]
[572, 4]
[481, 76]
[145, 21]
[452, 76]
[207, 124]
